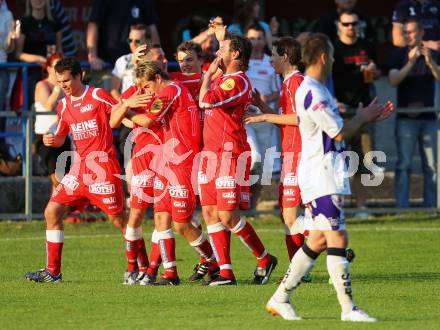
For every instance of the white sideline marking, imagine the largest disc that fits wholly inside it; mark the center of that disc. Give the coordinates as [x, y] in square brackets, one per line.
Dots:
[265, 230]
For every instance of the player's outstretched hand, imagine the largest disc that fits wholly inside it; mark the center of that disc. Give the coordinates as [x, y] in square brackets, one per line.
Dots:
[251, 118]
[48, 140]
[375, 111]
[137, 100]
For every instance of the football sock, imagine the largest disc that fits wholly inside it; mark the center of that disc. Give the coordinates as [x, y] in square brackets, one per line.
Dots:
[54, 248]
[339, 271]
[294, 237]
[302, 262]
[203, 248]
[142, 258]
[131, 247]
[221, 244]
[249, 237]
[167, 245]
[155, 257]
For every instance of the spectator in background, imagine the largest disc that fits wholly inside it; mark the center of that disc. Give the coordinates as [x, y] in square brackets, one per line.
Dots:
[7, 36]
[123, 71]
[329, 23]
[264, 79]
[247, 12]
[47, 95]
[40, 37]
[427, 12]
[413, 70]
[109, 25]
[354, 71]
[67, 39]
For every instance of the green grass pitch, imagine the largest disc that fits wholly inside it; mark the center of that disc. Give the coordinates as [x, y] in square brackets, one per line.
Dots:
[396, 278]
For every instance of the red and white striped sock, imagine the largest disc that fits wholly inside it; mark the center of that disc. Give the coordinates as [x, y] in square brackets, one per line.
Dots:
[155, 257]
[203, 248]
[132, 236]
[167, 244]
[249, 237]
[221, 244]
[54, 248]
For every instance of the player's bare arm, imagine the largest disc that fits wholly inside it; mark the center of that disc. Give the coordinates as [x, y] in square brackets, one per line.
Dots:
[374, 112]
[258, 101]
[290, 119]
[119, 110]
[55, 141]
[140, 119]
[207, 79]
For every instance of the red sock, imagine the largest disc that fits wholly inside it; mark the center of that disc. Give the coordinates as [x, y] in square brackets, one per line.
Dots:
[155, 257]
[131, 251]
[54, 247]
[203, 247]
[293, 243]
[249, 237]
[142, 257]
[167, 245]
[202, 258]
[221, 242]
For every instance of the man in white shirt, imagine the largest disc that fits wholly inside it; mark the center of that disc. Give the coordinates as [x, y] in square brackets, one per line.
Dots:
[323, 179]
[263, 78]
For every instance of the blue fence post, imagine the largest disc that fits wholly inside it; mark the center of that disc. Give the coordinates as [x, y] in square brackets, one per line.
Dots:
[24, 117]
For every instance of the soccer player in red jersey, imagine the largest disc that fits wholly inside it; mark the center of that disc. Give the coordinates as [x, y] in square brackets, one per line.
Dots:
[224, 172]
[286, 55]
[175, 109]
[84, 112]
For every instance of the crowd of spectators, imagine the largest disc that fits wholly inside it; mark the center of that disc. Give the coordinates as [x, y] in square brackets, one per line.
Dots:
[116, 28]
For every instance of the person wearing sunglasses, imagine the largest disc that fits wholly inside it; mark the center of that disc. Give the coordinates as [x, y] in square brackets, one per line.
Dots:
[353, 75]
[329, 23]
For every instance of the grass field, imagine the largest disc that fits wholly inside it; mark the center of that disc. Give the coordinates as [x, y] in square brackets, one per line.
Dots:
[396, 278]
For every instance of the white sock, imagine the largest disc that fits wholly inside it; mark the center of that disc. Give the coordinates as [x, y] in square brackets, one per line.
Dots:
[338, 269]
[300, 265]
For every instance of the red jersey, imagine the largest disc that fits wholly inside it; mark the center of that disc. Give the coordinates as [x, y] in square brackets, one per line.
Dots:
[141, 136]
[190, 81]
[290, 135]
[87, 119]
[176, 110]
[225, 105]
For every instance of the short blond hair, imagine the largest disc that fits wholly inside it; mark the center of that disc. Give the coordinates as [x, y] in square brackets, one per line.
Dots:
[147, 70]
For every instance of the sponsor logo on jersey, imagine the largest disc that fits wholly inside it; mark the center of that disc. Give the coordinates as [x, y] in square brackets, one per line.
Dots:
[86, 108]
[178, 192]
[228, 84]
[229, 195]
[179, 204]
[109, 200]
[102, 188]
[85, 129]
[142, 181]
[290, 180]
[70, 182]
[156, 106]
[225, 182]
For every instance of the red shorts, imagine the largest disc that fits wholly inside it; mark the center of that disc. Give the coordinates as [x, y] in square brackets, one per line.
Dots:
[225, 185]
[175, 194]
[289, 193]
[98, 184]
[142, 181]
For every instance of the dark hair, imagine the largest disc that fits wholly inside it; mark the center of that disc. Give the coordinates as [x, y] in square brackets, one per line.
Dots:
[189, 46]
[414, 20]
[69, 64]
[346, 12]
[254, 26]
[148, 71]
[141, 27]
[242, 8]
[241, 45]
[290, 47]
[314, 45]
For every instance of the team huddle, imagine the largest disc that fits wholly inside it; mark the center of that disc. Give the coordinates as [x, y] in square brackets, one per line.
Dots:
[190, 147]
